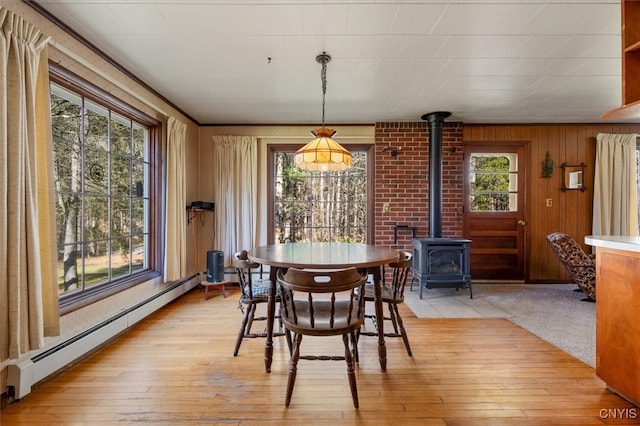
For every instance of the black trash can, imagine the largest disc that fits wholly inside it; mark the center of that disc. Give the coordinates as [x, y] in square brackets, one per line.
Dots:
[215, 266]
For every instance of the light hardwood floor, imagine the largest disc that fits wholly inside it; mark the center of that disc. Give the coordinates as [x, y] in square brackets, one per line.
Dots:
[176, 368]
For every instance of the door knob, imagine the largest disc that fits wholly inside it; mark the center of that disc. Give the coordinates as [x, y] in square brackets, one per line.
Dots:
[522, 222]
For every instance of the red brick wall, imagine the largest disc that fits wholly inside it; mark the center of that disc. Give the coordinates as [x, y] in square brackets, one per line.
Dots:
[403, 181]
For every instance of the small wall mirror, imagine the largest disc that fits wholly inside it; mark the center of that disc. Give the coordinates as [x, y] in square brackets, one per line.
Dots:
[573, 176]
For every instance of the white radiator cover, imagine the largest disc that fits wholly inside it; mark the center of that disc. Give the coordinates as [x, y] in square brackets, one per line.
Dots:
[22, 375]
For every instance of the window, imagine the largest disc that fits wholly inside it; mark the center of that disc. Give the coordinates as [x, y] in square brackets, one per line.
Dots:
[319, 206]
[104, 196]
[494, 182]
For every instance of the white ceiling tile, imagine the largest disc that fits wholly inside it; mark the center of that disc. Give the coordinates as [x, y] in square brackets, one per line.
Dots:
[489, 82]
[335, 46]
[392, 68]
[370, 18]
[484, 18]
[95, 19]
[599, 66]
[377, 46]
[422, 46]
[553, 19]
[288, 19]
[325, 19]
[485, 46]
[484, 60]
[596, 19]
[193, 18]
[416, 18]
[531, 66]
[426, 67]
[603, 46]
[141, 19]
[481, 66]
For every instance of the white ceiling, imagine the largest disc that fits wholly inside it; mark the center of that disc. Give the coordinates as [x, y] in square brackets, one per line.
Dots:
[499, 61]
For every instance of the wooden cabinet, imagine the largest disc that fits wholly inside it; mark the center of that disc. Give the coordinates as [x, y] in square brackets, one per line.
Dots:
[618, 313]
[630, 63]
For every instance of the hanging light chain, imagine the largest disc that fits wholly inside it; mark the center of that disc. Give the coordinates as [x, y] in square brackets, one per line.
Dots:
[322, 153]
[323, 59]
[323, 76]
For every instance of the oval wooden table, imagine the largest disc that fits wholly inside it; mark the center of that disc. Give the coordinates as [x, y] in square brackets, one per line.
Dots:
[324, 256]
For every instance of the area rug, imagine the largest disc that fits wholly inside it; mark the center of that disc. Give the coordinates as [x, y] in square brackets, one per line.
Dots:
[553, 312]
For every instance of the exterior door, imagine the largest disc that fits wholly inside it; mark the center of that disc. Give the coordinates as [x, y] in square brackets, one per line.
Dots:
[495, 207]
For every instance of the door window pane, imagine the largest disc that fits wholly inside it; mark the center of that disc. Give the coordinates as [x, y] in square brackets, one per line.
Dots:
[493, 185]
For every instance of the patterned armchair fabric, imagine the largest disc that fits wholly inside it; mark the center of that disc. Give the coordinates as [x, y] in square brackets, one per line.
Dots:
[580, 265]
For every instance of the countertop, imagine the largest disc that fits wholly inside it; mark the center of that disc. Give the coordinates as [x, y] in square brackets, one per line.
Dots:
[617, 242]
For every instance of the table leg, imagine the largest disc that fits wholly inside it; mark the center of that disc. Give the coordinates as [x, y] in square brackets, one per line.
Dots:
[379, 306]
[271, 314]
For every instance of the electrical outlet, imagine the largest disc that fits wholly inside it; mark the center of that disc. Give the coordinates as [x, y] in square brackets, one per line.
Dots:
[549, 203]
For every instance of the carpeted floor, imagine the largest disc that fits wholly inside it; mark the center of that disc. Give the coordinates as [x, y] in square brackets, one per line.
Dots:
[553, 312]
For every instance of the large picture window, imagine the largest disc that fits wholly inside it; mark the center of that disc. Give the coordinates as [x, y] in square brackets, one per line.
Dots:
[102, 163]
[319, 206]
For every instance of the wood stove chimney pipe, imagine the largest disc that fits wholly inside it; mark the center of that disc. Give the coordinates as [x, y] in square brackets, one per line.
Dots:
[436, 123]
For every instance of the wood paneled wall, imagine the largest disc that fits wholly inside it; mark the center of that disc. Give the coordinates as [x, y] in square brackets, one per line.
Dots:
[570, 211]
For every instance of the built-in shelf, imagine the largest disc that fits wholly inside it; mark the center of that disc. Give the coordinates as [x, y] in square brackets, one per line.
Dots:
[624, 112]
[630, 108]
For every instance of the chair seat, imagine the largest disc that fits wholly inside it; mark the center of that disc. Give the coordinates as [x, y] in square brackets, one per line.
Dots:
[260, 289]
[387, 294]
[322, 315]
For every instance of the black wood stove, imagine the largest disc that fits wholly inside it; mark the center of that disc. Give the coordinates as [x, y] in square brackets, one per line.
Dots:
[442, 263]
[439, 262]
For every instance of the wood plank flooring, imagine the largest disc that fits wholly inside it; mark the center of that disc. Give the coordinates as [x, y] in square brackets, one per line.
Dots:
[176, 368]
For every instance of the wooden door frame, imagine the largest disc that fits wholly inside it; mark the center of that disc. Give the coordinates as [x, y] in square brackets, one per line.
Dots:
[468, 146]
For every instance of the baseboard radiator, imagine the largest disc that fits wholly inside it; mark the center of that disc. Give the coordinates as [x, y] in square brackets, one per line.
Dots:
[26, 373]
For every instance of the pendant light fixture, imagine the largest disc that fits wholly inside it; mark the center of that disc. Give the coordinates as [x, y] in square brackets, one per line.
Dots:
[323, 153]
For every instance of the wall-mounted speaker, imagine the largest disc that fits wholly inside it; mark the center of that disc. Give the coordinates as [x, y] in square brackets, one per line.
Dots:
[215, 266]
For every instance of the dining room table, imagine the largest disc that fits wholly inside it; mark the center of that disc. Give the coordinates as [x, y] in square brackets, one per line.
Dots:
[324, 255]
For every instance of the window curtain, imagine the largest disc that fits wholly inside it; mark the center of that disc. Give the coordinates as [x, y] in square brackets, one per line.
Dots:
[175, 259]
[236, 182]
[28, 264]
[615, 199]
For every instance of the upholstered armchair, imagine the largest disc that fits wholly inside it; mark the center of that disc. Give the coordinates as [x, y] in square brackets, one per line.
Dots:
[580, 265]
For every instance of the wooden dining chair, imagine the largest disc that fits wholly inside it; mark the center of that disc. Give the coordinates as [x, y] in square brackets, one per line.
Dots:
[392, 295]
[322, 303]
[253, 292]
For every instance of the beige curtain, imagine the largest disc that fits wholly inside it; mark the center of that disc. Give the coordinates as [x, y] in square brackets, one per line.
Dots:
[175, 259]
[615, 199]
[236, 182]
[28, 265]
